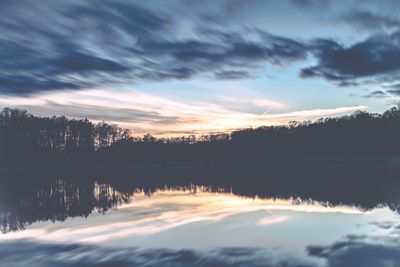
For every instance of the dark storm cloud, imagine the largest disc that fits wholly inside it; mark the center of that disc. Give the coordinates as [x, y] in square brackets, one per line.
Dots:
[374, 59]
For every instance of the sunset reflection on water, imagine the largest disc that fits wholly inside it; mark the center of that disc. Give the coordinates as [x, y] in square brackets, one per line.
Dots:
[201, 220]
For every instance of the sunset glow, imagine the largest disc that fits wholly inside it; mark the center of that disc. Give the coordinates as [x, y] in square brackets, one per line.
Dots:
[147, 113]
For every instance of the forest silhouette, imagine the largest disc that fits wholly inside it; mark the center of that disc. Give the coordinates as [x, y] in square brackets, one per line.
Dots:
[28, 141]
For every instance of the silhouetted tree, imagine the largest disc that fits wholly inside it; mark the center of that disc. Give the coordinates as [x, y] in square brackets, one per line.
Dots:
[25, 138]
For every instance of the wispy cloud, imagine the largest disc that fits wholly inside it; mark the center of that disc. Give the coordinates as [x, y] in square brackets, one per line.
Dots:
[148, 113]
[117, 42]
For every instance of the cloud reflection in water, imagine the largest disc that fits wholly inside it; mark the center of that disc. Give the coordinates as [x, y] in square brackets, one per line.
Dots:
[182, 228]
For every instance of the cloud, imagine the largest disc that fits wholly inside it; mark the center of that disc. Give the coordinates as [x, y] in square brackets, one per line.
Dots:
[147, 113]
[376, 94]
[387, 91]
[374, 60]
[27, 84]
[232, 75]
[310, 3]
[393, 89]
[126, 16]
[80, 63]
[193, 57]
[314, 113]
[78, 45]
[395, 92]
[41, 49]
[74, 45]
[366, 20]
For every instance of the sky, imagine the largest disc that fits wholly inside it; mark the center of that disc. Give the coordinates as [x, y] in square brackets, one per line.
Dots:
[173, 68]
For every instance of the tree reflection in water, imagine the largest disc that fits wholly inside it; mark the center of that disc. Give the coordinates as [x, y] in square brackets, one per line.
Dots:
[54, 201]
[28, 198]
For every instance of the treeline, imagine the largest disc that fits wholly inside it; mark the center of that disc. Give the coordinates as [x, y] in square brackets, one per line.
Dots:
[58, 133]
[25, 138]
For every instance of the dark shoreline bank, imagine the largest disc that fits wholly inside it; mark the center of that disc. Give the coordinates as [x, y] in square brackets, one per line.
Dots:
[283, 162]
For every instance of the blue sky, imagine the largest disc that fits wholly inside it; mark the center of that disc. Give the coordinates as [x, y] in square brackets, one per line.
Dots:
[193, 67]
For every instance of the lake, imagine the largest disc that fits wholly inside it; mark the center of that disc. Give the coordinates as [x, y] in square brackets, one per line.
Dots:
[75, 223]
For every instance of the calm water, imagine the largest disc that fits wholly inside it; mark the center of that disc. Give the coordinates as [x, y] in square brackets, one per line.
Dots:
[68, 224]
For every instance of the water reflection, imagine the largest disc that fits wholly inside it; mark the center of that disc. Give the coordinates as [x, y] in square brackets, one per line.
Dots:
[197, 226]
[53, 201]
[28, 198]
[185, 221]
